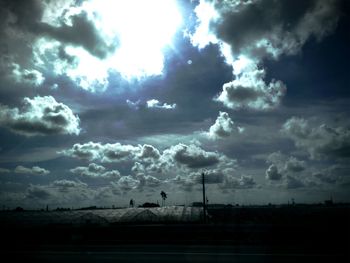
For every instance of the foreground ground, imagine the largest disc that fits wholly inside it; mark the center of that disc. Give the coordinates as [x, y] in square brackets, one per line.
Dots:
[313, 234]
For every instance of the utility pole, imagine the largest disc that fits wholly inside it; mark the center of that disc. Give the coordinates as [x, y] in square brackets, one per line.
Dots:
[204, 201]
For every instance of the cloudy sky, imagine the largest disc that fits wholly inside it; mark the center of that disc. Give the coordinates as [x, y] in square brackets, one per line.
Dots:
[103, 101]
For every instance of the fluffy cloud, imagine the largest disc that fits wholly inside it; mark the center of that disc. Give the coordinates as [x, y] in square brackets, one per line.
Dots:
[319, 141]
[272, 173]
[282, 166]
[191, 156]
[40, 116]
[249, 31]
[32, 77]
[112, 152]
[38, 35]
[35, 170]
[95, 171]
[223, 127]
[249, 90]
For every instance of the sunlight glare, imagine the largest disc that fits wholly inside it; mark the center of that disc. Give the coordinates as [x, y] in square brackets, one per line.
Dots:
[142, 30]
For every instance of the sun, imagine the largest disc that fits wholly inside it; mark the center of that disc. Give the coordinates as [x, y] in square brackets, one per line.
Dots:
[142, 30]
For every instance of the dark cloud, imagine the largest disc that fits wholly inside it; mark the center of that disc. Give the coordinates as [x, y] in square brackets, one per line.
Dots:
[192, 156]
[38, 192]
[272, 173]
[81, 32]
[319, 141]
[271, 28]
[40, 116]
[248, 32]
[293, 182]
[27, 18]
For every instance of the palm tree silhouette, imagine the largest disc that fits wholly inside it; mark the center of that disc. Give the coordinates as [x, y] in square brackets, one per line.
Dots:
[164, 196]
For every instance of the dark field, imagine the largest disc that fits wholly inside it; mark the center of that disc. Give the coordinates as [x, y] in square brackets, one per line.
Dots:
[232, 234]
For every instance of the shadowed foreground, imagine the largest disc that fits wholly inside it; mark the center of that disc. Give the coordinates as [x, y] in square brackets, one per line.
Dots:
[233, 235]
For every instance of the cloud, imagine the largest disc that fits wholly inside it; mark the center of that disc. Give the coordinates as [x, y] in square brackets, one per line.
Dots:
[249, 90]
[65, 27]
[261, 28]
[95, 171]
[147, 181]
[223, 127]
[4, 170]
[244, 182]
[247, 32]
[35, 170]
[293, 182]
[150, 104]
[212, 176]
[111, 152]
[38, 192]
[191, 156]
[282, 166]
[335, 174]
[127, 183]
[40, 116]
[272, 173]
[153, 103]
[320, 141]
[79, 32]
[67, 183]
[32, 77]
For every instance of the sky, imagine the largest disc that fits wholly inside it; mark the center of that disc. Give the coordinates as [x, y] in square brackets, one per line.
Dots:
[104, 101]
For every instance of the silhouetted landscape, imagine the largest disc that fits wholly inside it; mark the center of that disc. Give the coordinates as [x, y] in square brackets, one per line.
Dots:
[318, 231]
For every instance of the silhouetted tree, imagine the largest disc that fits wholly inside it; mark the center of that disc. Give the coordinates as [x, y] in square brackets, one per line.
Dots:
[164, 196]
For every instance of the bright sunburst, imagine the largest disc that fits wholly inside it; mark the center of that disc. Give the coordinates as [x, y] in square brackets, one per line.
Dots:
[142, 30]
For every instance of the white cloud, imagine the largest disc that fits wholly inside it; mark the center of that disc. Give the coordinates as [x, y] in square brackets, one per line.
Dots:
[40, 116]
[28, 76]
[223, 127]
[250, 91]
[153, 103]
